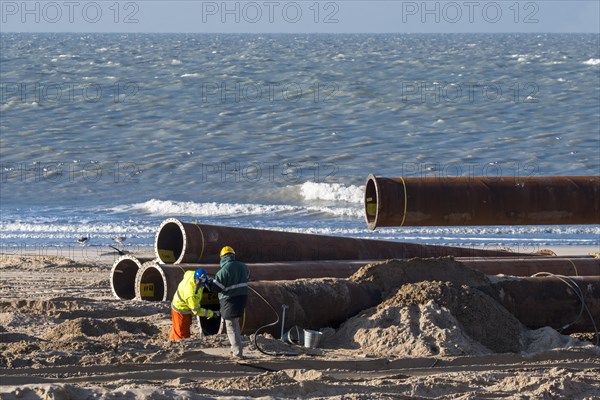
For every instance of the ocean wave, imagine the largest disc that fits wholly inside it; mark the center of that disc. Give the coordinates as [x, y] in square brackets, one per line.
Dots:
[332, 191]
[165, 208]
[592, 61]
[68, 229]
[190, 208]
[355, 212]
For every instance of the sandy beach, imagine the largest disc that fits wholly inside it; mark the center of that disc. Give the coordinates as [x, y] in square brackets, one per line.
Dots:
[64, 336]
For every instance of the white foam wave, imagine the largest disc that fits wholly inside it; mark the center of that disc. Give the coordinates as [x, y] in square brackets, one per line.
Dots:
[592, 61]
[332, 192]
[194, 75]
[175, 62]
[355, 212]
[25, 228]
[190, 208]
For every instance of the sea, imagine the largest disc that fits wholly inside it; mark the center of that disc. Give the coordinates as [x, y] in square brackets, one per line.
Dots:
[107, 135]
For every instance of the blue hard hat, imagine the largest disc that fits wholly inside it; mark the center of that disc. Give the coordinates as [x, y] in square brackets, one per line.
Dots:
[200, 273]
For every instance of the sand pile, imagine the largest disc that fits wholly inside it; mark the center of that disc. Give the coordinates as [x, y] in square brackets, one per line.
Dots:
[72, 329]
[433, 318]
[424, 317]
[82, 341]
[388, 276]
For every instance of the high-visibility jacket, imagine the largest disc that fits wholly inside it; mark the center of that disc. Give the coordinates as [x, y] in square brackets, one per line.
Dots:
[187, 300]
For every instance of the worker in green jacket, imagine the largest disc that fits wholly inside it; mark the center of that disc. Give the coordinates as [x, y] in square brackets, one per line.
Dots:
[231, 282]
[186, 302]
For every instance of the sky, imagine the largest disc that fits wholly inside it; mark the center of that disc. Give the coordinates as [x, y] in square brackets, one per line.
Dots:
[301, 16]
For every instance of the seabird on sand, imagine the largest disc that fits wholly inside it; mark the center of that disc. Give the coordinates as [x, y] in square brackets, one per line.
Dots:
[119, 239]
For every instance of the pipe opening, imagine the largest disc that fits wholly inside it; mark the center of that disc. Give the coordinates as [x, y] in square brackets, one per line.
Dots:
[210, 326]
[170, 241]
[122, 278]
[151, 284]
[371, 202]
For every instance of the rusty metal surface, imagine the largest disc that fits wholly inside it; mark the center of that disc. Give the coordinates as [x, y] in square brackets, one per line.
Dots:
[316, 303]
[463, 201]
[518, 266]
[326, 304]
[549, 301]
[125, 279]
[166, 277]
[536, 302]
[199, 243]
[322, 303]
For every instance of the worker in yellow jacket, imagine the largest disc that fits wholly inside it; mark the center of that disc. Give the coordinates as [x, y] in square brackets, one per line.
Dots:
[186, 302]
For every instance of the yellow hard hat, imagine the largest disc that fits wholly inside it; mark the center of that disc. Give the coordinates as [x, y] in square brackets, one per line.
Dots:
[227, 250]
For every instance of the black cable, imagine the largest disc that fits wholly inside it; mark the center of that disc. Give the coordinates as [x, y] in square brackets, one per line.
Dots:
[279, 354]
[572, 284]
[574, 287]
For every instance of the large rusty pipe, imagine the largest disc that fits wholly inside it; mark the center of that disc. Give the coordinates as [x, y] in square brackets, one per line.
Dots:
[536, 302]
[122, 276]
[318, 303]
[461, 201]
[312, 303]
[158, 282]
[551, 301]
[164, 278]
[527, 266]
[181, 242]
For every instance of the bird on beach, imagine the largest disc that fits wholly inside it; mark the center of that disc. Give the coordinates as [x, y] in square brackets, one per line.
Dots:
[119, 239]
[119, 251]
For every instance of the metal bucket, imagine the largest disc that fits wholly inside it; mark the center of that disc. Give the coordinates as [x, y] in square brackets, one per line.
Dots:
[311, 338]
[293, 336]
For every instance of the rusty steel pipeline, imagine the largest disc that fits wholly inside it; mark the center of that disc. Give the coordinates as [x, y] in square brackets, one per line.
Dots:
[127, 278]
[180, 242]
[122, 276]
[315, 303]
[462, 201]
[528, 266]
[327, 302]
[158, 282]
[164, 278]
[551, 301]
